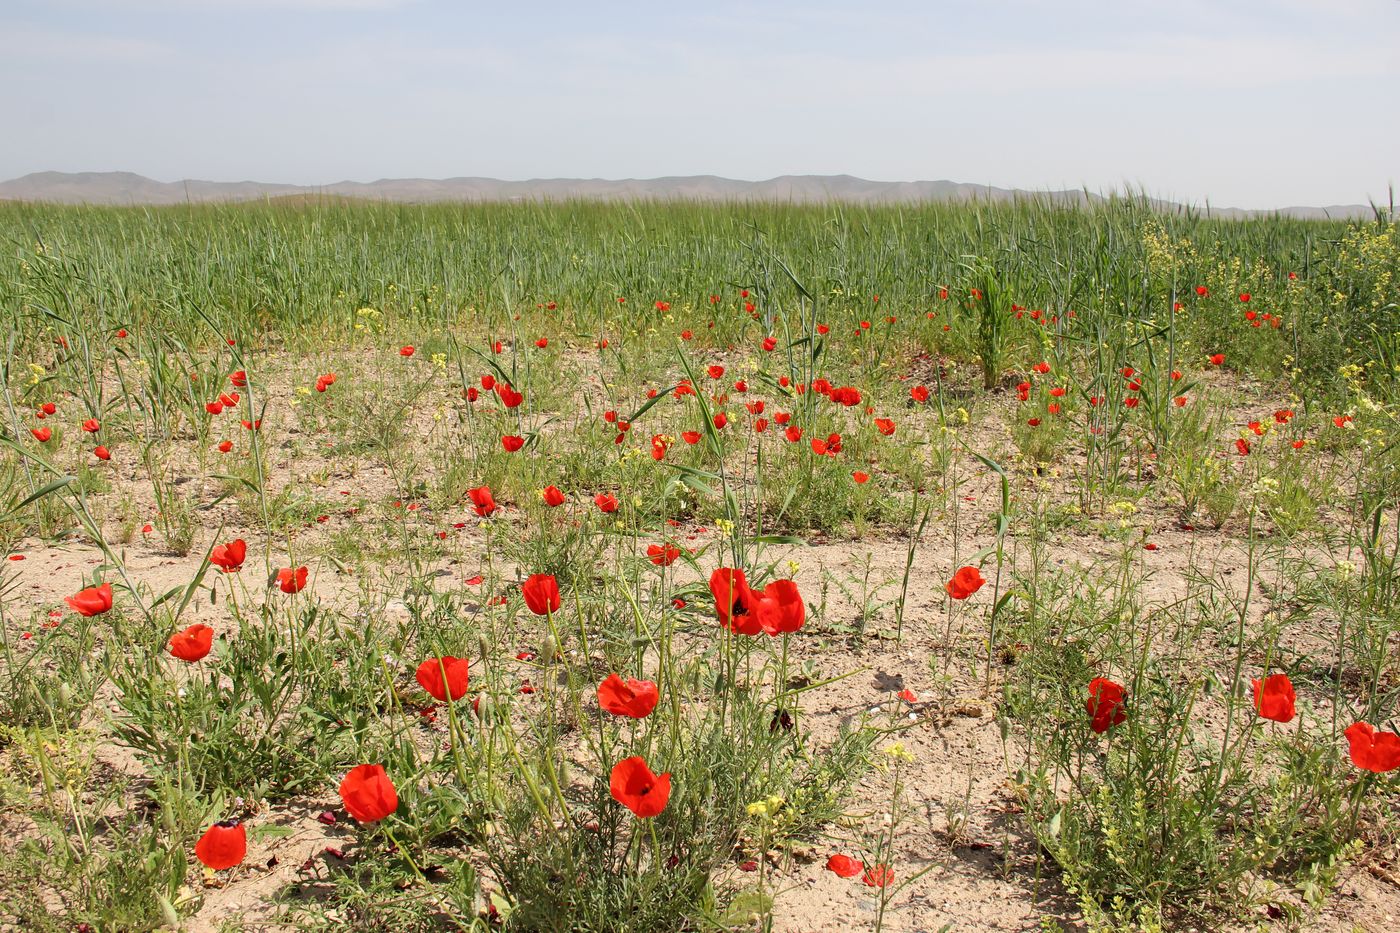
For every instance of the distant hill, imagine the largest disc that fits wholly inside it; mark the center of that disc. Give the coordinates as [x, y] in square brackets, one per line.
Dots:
[129, 188]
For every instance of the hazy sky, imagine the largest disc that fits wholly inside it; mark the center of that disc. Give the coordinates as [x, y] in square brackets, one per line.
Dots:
[1250, 103]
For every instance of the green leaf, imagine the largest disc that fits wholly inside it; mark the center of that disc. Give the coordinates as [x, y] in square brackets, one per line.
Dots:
[44, 491]
[646, 407]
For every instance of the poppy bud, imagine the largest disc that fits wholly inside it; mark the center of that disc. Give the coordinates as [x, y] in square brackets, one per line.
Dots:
[167, 912]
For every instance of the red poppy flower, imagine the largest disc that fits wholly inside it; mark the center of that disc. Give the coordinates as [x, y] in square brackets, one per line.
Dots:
[553, 497]
[1105, 705]
[444, 677]
[793, 433]
[849, 396]
[223, 845]
[512, 443]
[483, 504]
[770, 344]
[406, 351]
[368, 794]
[193, 643]
[965, 582]
[844, 866]
[823, 329]
[716, 372]
[229, 399]
[606, 502]
[214, 408]
[690, 437]
[878, 876]
[1372, 750]
[1274, 697]
[885, 426]
[101, 453]
[92, 426]
[229, 557]
[919, 394]
[291, 581]
[92, 601]
[41, 435]
[252, 425]
[1218, 359]
[1202, 291]
[632, 698]
[860, 478]
[541, 592]
[239, 379]
[776, 610]
[780, 608]
[663, 555]
[634, 786]
[509, 397]
[225, 446]
[1242, 446]
[542, 342]
[720, 420]
[734, 601]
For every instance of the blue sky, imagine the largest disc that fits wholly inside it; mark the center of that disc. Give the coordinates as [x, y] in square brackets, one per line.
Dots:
[1245, 102]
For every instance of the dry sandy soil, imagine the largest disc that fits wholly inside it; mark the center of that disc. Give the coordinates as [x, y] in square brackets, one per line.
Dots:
[983, 869]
